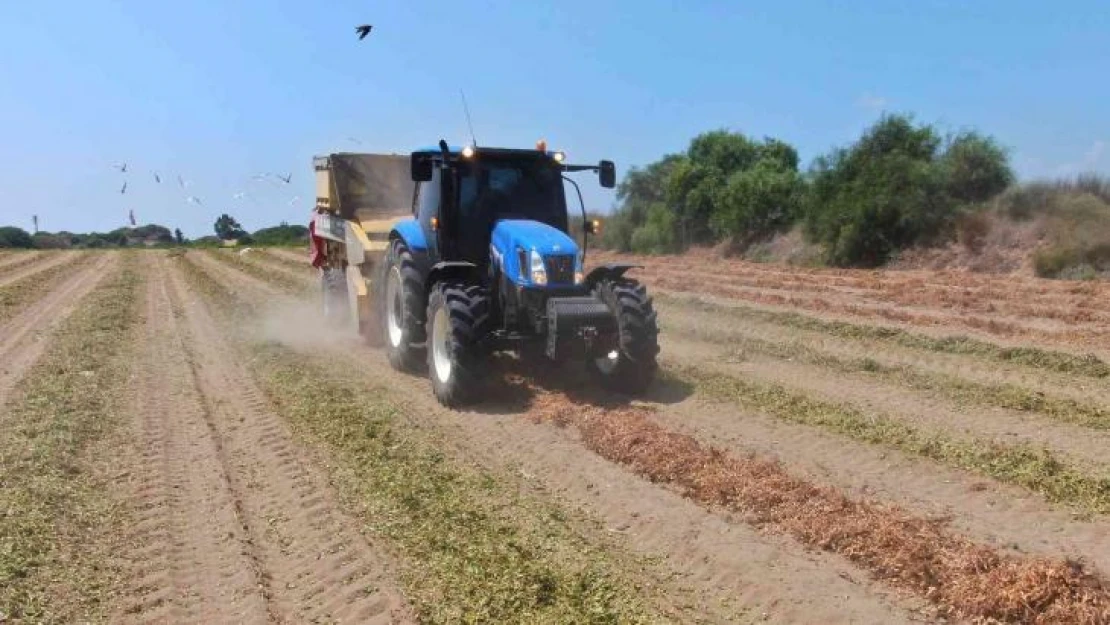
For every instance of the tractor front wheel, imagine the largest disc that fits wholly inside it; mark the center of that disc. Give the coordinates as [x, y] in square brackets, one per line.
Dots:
[458, 319]
[631, 365]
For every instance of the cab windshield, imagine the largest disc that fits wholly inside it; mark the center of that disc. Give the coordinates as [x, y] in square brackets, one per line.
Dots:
[491, 189]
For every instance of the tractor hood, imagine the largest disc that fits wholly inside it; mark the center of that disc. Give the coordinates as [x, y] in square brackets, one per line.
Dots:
[511, 236]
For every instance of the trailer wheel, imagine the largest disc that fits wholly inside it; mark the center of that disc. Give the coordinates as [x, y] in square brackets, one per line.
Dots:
[458, 318]
[404, 310]
[333, 296]
[631, 366]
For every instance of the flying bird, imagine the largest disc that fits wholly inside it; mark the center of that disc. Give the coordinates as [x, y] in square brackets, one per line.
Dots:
[123, 189]
[131, 216]
[192, 199]
[286, 178]
[122, 167]
[353, 140]
[363, 31]
[294, 200]
[157, 178]
[181, 181]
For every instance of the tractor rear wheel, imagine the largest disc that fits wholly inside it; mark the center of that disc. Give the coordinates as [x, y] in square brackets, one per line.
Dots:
[404, 309]
[631, 366]
[334, 298]
[458, 319]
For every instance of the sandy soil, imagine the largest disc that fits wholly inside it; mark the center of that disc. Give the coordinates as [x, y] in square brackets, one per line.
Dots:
[237, 523]
[23, 338]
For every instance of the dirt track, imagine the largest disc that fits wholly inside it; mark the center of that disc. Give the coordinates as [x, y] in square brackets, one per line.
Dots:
[238, 524]
[238, 516]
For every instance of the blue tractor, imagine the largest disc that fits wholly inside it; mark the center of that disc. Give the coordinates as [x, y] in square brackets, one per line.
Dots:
[486, 263]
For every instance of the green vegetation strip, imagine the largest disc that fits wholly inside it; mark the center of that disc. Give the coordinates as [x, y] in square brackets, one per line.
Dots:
[953, 387]
[278, 278]
[53, 510]
[15, 296]
[474, 548]
[1088, 365]
[1035, 469]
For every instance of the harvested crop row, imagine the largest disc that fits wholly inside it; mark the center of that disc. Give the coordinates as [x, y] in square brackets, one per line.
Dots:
[1076, 310]
[474, 548]
[1038, 470]
[871, 279]
[1032, 357]
[1069, 308]
[13, 261]
[19, 293]
[1085, 335]
[53, 564]
[962, 578]
[257, 271]
[951, 387]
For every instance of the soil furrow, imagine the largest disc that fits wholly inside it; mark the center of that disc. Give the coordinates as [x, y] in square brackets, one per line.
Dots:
[13, 260]
[23, 338]
[1083, 446]
[40, 263]
[295, 530]
[1009, 518]
[190, 555]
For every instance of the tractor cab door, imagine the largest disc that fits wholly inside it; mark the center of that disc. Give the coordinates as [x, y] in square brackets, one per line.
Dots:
[426, 208]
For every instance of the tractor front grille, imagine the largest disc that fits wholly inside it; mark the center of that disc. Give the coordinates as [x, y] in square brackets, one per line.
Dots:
[560, 268]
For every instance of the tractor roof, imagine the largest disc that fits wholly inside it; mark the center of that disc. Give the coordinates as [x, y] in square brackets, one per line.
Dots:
[457, 149]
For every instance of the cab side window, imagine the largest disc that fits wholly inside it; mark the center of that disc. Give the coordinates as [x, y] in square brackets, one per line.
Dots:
[427, 199]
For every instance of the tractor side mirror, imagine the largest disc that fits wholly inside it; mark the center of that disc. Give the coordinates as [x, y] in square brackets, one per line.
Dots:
[607, 173]
[421, 167]
[593, 226]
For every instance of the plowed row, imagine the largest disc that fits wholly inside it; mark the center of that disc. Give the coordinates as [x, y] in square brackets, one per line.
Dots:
[821, 446]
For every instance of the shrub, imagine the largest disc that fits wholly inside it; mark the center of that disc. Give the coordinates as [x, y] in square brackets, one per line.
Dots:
[895, 188]
[657, 234]
[975, 168]
[10, 236]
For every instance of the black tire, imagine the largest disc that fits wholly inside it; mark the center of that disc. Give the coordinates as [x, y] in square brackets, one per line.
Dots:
[334, 298]
[634, 366]
[403, 317]
[464, 309]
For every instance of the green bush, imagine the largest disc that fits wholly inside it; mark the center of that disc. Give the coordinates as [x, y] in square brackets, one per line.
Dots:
[283, 234]
[10, 236]
[895, 188]
[758, 202]
[657, 234]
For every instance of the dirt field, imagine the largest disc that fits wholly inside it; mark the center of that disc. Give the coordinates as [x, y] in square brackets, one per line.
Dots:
[180, 442]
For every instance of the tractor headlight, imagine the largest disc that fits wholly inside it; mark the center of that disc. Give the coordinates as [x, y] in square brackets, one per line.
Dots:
[579, 270]
[538, 271]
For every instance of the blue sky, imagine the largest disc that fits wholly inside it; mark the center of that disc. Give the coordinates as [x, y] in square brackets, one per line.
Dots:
[219, 91]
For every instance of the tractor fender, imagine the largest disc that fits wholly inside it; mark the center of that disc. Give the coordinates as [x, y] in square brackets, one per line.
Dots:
[411, 234]
[608, 271]
[451, 270]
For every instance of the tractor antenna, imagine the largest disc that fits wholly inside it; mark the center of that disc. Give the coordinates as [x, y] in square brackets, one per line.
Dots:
[470, 124]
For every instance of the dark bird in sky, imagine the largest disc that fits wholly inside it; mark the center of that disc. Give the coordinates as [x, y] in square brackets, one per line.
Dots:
[122, 167]
[157, 178]
[363, 31]
[123, 189]
[192, 199]
[286, 178]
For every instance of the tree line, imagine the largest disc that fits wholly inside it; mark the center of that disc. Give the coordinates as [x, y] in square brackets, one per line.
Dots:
[900, 184]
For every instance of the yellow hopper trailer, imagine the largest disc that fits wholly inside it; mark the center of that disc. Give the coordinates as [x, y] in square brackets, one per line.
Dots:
[359, 197]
